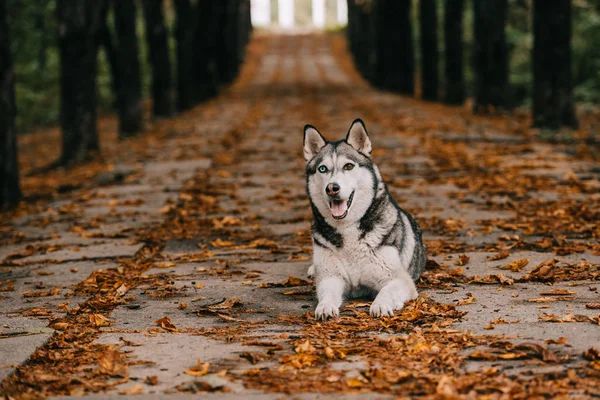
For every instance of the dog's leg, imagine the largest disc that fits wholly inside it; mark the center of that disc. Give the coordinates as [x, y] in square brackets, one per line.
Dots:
[330, 291]
[393, 296]
[311, 271]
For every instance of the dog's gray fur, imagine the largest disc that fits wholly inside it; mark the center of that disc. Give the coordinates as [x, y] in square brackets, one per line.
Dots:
[364, 243]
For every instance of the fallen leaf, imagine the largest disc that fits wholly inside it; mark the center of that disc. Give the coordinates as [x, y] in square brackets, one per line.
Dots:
[226, 304]
[558, 292]
[136, 389]
[110, 363]
[305, 347]
[517, 265]
[593, 306]
[99, 320]
[151, 380]
[165, 323]
[468, 300]
[499, 256]
[200, 369]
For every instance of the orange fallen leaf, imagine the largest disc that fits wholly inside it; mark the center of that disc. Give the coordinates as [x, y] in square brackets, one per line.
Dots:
[470, 299]
[136, 389]
[199, 370]
[110, 363]
[165, 323]
[99, 320]
[516, 265]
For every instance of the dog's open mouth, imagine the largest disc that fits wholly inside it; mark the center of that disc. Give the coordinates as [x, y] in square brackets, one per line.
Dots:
[339, 208]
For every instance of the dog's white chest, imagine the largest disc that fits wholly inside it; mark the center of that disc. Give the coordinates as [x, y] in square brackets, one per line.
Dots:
[358, 262]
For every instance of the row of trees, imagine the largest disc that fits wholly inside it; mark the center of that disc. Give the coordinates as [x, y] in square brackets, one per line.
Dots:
[381, 40]
[210, 36]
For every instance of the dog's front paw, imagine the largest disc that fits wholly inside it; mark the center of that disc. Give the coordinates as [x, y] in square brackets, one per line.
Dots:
[326, 310]
[381, 308]
[311, 271]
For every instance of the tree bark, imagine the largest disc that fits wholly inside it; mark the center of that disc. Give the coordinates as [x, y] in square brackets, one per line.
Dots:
[130, 91]
[79, 25]
[156, 35]
[185, 33]
[553, 103]
[10, 191]
[453, 36]
[227, 54]
[490, 55]
[429, 49]
[397, 58]
[206, 54]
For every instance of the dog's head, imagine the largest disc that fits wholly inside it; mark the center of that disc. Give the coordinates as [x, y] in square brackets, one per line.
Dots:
[341, 177]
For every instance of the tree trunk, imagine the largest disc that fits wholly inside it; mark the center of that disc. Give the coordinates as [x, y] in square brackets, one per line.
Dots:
[9, 168]
[130, 93]
[185, 33]
[156, 35]
[206, 54]
[79, 25]
[453, 36]
[398, 54]
[429, 49]
[553, 103]
[490, 55]
[227, 40]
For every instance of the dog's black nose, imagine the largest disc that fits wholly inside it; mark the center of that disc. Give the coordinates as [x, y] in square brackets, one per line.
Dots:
[332, 189]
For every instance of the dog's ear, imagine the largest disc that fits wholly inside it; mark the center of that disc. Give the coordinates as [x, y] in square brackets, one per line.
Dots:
[359, 138]
[313, 142]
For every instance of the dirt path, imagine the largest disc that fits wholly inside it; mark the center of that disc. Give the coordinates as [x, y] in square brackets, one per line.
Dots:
[183, 268]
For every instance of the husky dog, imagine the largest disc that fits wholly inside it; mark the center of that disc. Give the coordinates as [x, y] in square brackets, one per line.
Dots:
[364, 244]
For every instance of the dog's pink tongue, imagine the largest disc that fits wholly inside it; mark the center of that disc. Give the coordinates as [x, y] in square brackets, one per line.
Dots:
[338, 208]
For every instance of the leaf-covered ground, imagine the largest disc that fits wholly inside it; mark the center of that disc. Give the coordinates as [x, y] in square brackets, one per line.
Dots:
[176, 263]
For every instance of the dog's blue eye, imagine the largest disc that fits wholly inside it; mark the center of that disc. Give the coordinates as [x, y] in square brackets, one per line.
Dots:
[322, 169]
[348, 167]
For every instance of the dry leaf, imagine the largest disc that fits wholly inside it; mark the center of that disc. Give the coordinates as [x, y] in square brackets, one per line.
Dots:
[136, 389]
[165, 323]
[110, 363]
[305, 347]
[516, 265]
[500, 256]
[558, 292]
[99, 320]
[199, 370]
[467, 300]
[227, 304]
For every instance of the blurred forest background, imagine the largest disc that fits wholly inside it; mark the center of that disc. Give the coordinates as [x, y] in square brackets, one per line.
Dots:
[33, 31]
[138, 59]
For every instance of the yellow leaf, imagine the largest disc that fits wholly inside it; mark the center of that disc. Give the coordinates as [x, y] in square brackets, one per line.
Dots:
[199, 370]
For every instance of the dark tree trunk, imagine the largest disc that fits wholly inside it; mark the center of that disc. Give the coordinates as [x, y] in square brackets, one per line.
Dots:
[9, 168]
[79, 25]
[106, 41]
[185, 33]
[130, 91]
[397, 58]
[453, 36]
[156, 35]
[553, 103]
[429, 49]
[206, 54]
[490, 55]
[227, 40]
